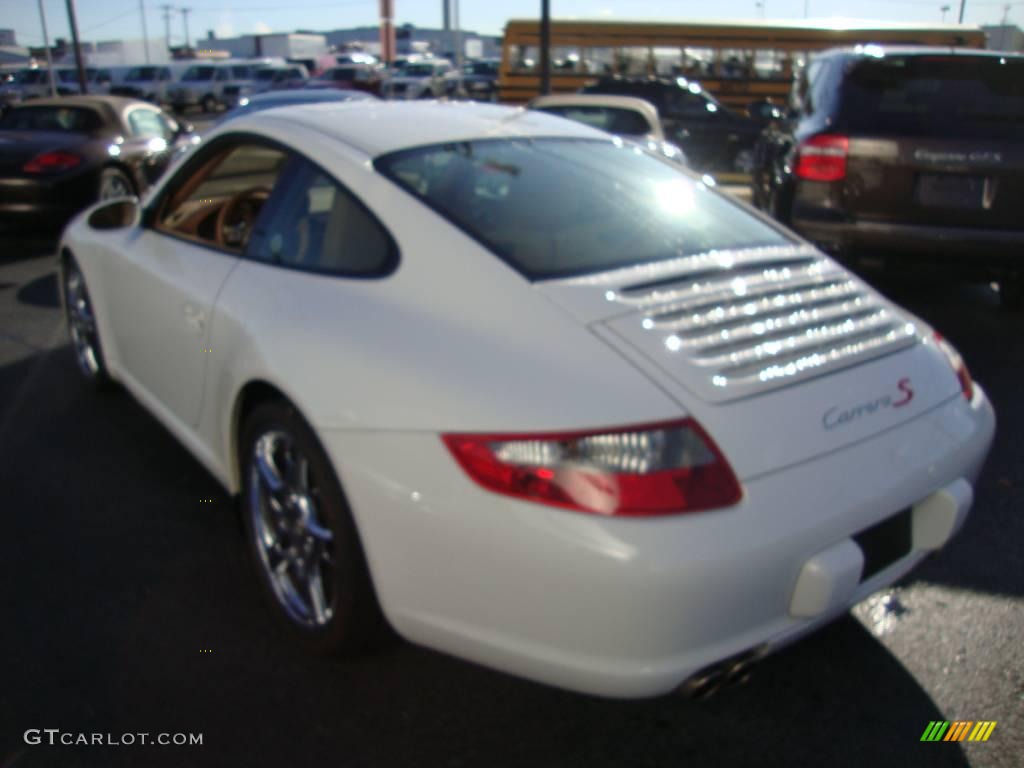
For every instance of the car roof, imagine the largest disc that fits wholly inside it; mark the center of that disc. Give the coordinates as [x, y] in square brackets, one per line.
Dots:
[307, 96]
[116, 103]
[874, 50]
[379, 127]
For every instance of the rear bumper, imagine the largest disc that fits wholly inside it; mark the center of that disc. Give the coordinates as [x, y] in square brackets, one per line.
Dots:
[633, 608]
[998, 249]
[31, 204]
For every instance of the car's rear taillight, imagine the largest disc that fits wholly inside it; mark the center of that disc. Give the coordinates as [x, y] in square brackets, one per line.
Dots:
[958, 365]
[52, 162]
[653, 469]
[822, 158]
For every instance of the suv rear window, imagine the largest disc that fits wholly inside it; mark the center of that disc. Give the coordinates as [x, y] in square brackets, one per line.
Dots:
[560, 207]
[955, 96]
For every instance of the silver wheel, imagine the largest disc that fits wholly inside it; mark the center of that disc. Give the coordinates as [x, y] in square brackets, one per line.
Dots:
[295, 546]
[113, 184]
[81, 322]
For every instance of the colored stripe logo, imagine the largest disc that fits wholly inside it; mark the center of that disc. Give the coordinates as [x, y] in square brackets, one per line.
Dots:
[958, 730]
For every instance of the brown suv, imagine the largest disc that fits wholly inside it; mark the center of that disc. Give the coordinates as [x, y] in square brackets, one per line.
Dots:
[904, 154]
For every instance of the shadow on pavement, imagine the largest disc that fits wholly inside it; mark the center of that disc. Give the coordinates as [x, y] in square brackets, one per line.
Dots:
[125, 572]
[41, 292]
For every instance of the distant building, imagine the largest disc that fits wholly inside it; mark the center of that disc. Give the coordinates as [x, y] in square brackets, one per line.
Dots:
[297, 46]
[1004, 37]
[411, 39]
[7, 38]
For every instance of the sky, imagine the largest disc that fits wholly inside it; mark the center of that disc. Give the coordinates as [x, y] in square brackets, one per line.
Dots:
[121, 19]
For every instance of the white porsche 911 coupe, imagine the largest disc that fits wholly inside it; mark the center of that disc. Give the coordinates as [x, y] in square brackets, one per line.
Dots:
[533, 396]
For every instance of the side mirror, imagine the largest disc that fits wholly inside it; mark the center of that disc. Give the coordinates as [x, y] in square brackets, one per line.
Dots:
[184, 129]
[119, 213]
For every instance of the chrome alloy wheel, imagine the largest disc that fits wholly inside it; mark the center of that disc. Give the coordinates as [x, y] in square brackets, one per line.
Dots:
[296, 548]
[81, 322]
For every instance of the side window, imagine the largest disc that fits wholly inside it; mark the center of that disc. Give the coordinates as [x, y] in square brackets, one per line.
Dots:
[148, 124]
[317, 225]
[223, 75]
[165, 74]
[217, 197]
[809, 78]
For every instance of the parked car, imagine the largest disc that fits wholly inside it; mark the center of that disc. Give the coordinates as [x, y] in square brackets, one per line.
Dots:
[97, 82]
[262, 101]
[905, 155]
[150, 83]
[279, 78]
[362, 77]
[541, 400]
[625, 116]
[59, 155]
[479, 79]
[423, 79]
[212, 86]
[715, 138]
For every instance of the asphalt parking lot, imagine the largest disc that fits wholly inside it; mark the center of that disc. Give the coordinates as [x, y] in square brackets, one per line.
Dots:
[128, 606]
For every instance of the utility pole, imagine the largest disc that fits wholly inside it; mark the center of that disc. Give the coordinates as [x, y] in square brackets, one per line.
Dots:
[545, 47]
[73, 23]
[963, 3]
[184, 15]
[145, 35]
[46, 45]
[167, 9]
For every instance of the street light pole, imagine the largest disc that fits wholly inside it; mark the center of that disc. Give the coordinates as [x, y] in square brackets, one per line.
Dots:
[545, 46]
[963, 4]
[145, 35]
[184, 15]
[46, 45]
[73, 23]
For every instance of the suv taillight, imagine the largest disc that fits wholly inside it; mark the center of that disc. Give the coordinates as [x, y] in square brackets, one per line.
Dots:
[822, 158]
[653, 469]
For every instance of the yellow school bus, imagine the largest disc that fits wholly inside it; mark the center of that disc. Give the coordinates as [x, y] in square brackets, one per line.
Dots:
[737, 62]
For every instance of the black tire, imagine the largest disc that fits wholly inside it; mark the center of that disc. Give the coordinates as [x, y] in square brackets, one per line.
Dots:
[209, 103]
[82, 326]
[355, 623]
[113, 183]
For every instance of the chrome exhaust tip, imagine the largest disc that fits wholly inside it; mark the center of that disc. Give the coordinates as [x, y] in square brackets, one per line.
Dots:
[729, 673]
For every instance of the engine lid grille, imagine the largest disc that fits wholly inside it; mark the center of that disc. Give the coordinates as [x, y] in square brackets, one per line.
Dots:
[731, 324]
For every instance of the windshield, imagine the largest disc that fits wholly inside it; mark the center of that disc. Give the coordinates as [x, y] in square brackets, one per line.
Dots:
[626, 122]
[30, 76]
[199, 73]
[140, 74]
[559, 207]
[418, 70]
[973, 97]
[480, 68]
[63, 119]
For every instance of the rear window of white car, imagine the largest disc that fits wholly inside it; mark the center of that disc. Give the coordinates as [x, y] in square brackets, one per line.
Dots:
[558, 207]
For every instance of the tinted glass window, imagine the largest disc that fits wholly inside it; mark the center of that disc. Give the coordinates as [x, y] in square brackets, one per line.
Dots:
[70, 119]
[554, 207]
[199, 73]
[136, 74]
[318, 226]
[266, 74]
[622, 121]
[149, 124]
[217, 197]
[957, 96]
